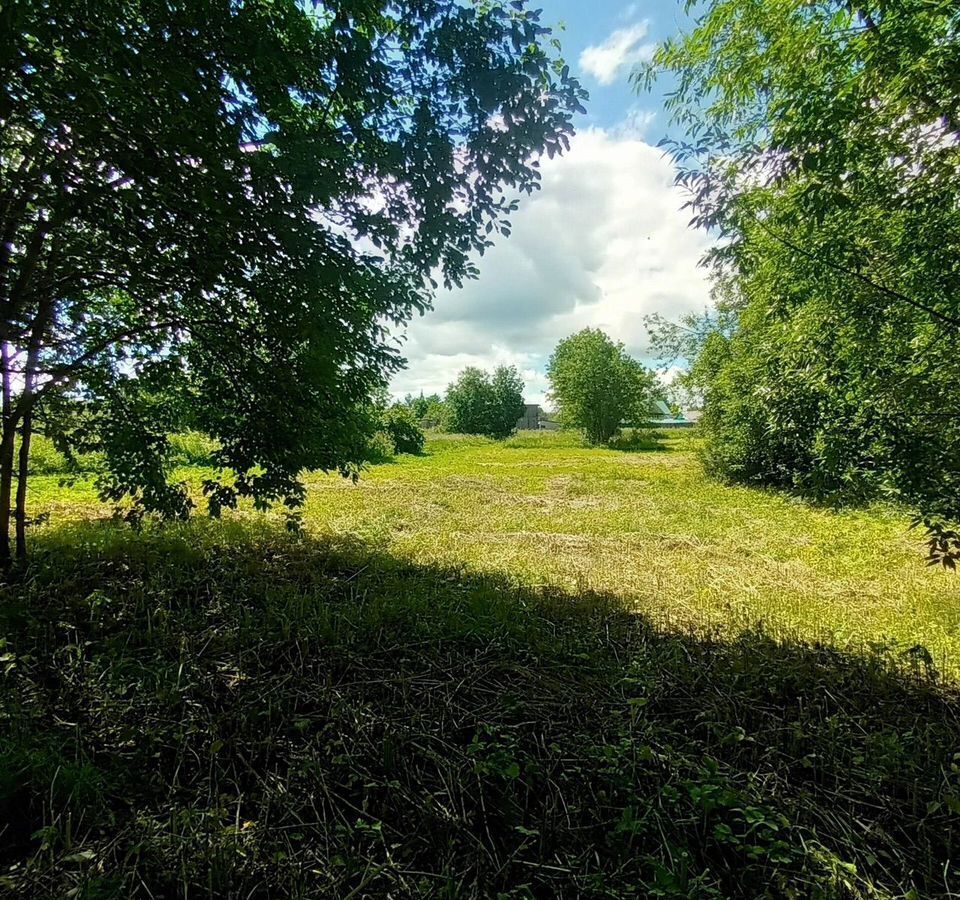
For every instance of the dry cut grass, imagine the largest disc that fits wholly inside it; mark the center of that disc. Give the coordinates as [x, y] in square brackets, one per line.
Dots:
[650, 528]
[514, 670]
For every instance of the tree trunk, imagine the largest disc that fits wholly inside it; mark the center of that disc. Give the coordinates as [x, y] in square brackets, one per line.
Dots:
[7, 435]
[25, 405]
[6, 480]
[26, 432]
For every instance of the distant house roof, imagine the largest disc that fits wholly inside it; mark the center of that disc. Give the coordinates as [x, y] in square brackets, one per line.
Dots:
[661, 415]
[659, 409]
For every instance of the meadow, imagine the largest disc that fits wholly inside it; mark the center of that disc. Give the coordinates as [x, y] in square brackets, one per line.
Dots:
[651, 529]
[521, 668]
[643, 524]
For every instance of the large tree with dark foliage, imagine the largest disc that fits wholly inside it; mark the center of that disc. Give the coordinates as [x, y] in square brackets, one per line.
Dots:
[214, 212]
[822, 142]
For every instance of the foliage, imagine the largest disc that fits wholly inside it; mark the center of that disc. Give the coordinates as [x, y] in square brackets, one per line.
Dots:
[380, 447]
[232, 711]
[402, 426]
[192, 448]
[211, 213]
[429, 411]
[596, 386]
[436, 415]
[823, 145]
[635, 440]
[478, 403]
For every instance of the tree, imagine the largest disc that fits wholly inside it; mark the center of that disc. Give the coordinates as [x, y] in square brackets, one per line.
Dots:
[596, 386]
[507, 406]
[822, 143]
[477, 403]
[424, 408]
[404, 429]
[213, 212]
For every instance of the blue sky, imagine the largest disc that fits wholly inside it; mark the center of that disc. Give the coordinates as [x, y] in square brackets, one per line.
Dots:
[599, 33]
[602, 244]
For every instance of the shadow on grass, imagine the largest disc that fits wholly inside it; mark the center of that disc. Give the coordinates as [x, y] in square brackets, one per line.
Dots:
[215, 710]
[640, 440]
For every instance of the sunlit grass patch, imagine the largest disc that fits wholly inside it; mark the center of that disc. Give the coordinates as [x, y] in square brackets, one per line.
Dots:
[645, 526]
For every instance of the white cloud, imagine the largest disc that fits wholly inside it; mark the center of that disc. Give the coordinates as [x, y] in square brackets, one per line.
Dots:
[604, 243]
[636, 124]
[621, 49]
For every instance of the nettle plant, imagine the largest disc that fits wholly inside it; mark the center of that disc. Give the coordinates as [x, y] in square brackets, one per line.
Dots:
[212, 216]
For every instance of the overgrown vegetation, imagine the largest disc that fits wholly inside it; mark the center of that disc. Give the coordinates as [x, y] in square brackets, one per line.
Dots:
[404, 429]
[502, 665]
[822, 142]
[227, 710]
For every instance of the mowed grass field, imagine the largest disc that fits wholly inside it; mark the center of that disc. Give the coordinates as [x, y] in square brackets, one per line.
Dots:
[519, 669]
[644, 525]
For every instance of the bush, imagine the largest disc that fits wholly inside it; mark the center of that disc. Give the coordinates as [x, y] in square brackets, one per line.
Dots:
[636, 440]
[480, 404]
[401, 424]
[380, 448]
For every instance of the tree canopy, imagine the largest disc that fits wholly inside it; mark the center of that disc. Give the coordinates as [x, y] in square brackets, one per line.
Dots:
[823, 147]
[213, 214]
[597, 386]
[481, 403]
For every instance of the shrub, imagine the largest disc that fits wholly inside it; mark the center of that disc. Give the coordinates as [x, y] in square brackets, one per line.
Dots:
[380, 448]
[636, 440]
[400, 423]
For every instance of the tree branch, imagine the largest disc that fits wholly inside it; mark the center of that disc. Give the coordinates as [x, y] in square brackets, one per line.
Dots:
[880, 288]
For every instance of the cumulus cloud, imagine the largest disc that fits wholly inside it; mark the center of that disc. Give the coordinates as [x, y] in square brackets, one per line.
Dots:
[604, 243]
[623, 48]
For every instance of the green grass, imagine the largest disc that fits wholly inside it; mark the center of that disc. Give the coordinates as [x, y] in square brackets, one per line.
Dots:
[650, 528]
[522, 669]
[646, 526]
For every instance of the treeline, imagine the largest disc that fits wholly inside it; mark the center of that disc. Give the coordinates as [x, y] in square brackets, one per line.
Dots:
[822, 145]
[595, 386]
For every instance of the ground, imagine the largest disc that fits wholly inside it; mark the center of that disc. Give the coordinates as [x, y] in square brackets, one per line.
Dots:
[520, 669]
[646, 526]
